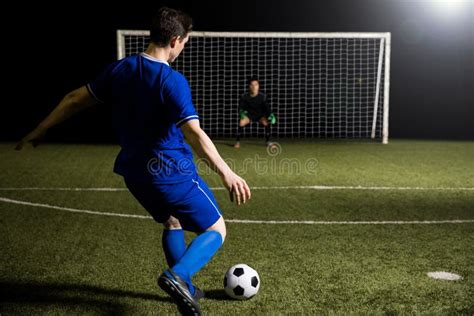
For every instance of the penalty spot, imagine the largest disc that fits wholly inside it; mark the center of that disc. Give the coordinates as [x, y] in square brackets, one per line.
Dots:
[441, 275]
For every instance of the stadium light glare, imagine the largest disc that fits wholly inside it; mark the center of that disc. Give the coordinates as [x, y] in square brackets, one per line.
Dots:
[450, 8]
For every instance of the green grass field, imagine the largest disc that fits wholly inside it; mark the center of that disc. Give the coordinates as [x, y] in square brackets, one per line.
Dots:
[54, 261]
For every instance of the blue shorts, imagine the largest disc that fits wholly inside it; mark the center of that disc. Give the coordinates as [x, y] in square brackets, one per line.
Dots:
[191, 202]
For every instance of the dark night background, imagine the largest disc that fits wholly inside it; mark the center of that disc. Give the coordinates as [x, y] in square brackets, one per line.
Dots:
[53, 49]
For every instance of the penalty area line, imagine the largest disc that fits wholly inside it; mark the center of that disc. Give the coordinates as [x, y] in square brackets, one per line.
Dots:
[238, 221]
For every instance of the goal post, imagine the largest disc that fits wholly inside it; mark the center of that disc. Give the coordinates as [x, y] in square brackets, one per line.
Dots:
[319, 85]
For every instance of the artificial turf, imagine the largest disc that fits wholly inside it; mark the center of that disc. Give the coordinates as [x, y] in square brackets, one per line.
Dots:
[57, 262]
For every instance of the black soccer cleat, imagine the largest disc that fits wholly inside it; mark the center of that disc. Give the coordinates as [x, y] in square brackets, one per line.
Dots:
[179, 292]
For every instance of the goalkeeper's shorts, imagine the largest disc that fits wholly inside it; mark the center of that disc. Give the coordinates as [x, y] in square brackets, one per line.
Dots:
[253, 117]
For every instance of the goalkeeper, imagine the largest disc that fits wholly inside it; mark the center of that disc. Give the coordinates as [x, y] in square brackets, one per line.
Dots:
[253, 106]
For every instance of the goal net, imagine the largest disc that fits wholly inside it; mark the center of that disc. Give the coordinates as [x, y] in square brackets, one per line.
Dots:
[321, 85]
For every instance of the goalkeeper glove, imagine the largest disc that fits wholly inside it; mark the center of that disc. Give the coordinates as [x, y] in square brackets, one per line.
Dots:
[243, 114]
[272, 118]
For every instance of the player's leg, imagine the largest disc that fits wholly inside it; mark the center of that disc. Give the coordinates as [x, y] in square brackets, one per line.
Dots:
[244, 121]
[204, 218]
[200, 251]
[174, 247]
[161, 201]
[197, 212]
[173, 241]
[153, 201]
[264, 121]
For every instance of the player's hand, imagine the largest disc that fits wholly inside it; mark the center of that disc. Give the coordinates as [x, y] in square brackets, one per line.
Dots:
[238, 189]
[34, 137]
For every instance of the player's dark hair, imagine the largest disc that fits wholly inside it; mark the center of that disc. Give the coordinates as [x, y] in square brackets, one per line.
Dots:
[252, 79]
[168, 23]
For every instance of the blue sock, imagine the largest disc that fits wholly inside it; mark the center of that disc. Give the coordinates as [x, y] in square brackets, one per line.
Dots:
[199, 252]
[174, 245]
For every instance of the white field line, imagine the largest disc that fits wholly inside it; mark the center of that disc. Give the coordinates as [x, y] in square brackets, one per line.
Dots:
[239, 221]
[72, 210]
[64, 189]
[295, 187]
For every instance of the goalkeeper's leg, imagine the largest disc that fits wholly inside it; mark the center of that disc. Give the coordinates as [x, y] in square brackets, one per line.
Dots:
[264, 121]
[267, 134]
[239, 132]
[240, 128]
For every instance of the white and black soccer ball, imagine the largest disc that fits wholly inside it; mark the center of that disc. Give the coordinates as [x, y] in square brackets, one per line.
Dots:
[241, 282]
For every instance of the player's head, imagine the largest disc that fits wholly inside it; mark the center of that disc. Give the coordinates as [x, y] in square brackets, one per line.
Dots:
[253, 85]
[171, 27]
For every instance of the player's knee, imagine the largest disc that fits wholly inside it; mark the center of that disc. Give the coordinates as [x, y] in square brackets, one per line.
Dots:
[243, 123]
[172, 223]
[219, 227]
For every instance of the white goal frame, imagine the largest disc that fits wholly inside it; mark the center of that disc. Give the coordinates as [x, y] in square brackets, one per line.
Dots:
[383, 58]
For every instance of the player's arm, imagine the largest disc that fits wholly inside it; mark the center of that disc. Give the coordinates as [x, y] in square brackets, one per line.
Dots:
[203, 146]
[74, 102]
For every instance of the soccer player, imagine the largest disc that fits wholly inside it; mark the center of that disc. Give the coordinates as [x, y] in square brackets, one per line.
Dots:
[153, 113]
[253, 106]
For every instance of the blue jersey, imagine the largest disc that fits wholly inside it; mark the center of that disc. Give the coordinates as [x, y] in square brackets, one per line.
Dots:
[150, 102]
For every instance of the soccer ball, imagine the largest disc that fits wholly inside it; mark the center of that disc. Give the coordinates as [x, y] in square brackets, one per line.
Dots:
[241, 282]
